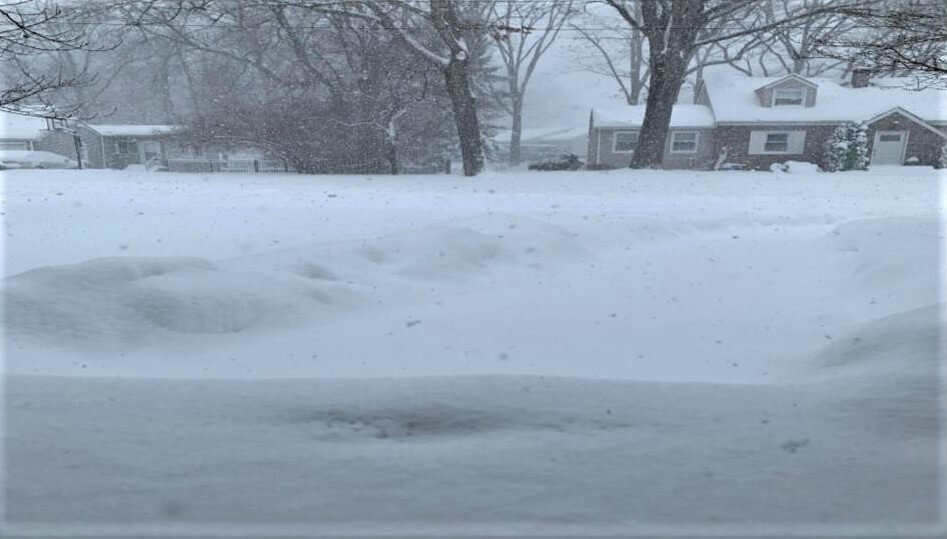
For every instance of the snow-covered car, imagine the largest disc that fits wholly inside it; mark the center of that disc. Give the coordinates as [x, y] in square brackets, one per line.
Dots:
[12, 159]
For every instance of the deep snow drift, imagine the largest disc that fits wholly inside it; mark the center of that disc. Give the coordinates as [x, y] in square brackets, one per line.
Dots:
[677, 348]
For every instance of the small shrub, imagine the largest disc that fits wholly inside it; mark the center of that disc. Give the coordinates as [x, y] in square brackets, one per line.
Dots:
[847, 148]
[565, 162]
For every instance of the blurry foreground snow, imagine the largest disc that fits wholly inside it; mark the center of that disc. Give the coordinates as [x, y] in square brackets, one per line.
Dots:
[641, 349]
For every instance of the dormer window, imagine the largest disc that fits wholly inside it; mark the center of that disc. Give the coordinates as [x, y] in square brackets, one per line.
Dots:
[789, 97]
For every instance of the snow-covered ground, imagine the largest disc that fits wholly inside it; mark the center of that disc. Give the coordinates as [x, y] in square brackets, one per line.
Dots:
[643, 352]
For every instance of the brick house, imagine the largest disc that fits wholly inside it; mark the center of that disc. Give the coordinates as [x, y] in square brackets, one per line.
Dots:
[755, 122]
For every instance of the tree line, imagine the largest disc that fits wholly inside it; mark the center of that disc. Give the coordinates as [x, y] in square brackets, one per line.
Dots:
[381, 83]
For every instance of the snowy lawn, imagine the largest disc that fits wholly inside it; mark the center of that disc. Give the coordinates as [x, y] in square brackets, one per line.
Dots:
[641, 350]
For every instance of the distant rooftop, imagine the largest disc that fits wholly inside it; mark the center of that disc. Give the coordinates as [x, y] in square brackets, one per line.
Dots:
[115, 130]
[21, 127]
[539, 135]
[633, 115]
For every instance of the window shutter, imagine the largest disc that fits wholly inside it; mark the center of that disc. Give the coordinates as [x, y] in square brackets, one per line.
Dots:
[797, 142]
[757, 139]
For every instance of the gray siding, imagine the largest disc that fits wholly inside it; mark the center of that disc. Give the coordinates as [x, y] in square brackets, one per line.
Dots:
[601, 153]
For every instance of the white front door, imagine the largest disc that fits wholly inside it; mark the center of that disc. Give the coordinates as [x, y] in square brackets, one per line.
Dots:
[889, 147]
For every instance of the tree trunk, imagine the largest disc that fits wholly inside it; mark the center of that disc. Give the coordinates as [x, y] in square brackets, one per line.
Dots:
[667, 77]
[465, 115]
[516, 133]
[391, 155]
[671, 29]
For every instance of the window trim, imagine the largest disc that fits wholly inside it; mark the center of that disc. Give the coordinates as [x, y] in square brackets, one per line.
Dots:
[771, 152]
[674, 135]
[803, 95]
[615, 140]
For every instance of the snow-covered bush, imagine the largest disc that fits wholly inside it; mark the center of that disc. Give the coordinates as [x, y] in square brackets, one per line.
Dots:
[847, 148]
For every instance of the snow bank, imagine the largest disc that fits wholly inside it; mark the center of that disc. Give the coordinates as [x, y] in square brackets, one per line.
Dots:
[908, 344]
[473, 246]
[121, 301]
[895, 260]
[648, 275]
[753, 332]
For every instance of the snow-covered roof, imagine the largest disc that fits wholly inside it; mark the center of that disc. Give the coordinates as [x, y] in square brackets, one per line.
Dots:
[633, 116]
[733, 98]
[134, 130]
[540, 135]
[792, 76]
[21, 127]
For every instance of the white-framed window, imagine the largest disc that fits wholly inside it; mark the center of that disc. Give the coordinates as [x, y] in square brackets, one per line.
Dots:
[776, 143]
[791, 142]
[684, 141]
[624, 141]
[789, 97]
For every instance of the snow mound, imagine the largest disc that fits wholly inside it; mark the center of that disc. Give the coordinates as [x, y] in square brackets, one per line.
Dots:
[452, 251]
[794, 167]
[449, 252]
[886, 249]
[126, 300]
[910, 342]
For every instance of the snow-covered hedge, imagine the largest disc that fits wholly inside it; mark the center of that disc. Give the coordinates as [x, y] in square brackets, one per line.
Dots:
[847, 148]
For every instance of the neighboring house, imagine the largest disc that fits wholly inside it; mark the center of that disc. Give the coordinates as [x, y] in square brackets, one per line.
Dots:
[95, 146]
[760, 121]
[613, 135]
[117, 146]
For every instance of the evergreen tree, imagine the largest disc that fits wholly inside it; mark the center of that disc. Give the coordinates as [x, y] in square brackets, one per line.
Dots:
[847, 148]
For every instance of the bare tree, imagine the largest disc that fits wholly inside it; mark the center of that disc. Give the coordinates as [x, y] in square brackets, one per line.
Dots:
[791, 48]
[899, 37]
[455, 23]
[675, 31]
[612, 49]
[326, 86]
[524, 31]
[29, 29]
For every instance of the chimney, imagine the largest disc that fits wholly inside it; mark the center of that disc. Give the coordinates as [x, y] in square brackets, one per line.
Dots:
[860, 77]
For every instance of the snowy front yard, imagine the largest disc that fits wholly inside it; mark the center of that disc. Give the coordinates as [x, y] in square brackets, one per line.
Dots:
[624, 352]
